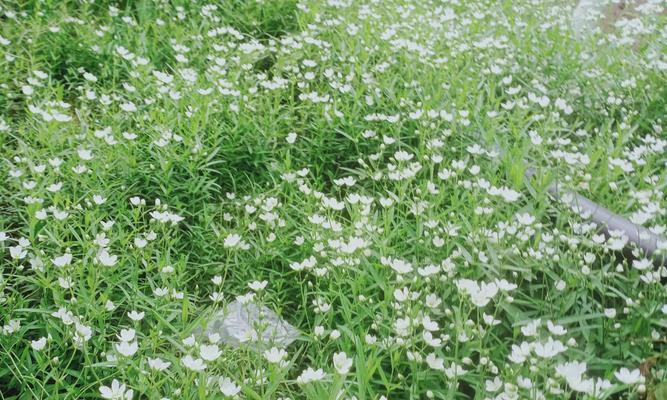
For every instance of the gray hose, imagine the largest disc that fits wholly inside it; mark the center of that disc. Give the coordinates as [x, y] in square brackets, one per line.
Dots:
[606, 220]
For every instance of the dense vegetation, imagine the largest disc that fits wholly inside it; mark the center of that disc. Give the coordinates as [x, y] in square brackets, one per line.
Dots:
[356, 167]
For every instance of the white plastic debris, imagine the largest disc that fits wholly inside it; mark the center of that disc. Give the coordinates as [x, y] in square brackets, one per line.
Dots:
[252, 326]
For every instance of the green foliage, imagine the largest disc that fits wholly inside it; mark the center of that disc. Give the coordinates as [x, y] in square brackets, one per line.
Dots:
[365, 161]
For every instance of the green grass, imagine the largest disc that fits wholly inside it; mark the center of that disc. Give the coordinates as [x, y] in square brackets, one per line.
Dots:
[414, 123]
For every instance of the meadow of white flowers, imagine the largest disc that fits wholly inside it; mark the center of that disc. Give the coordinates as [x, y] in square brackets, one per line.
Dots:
[354, 166]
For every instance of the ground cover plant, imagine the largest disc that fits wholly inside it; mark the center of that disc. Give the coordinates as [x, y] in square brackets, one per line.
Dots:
[357, 167]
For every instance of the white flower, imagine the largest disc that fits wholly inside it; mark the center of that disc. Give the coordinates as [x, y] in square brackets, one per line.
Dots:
[163, 77]
[401, 294]
[106, 259]
[89, 77]
[209, 352]
[216, 297]
[41, 214]
[403, 156]
[454, 370]
[85, 154]
[275, 355]
[318, 330]
[531, 328]
[480, 295]
[66, 316]
[589, 386]
[158, 364]
[126, 335]
[505, 285]
[246, 298]
[257, 285]
[629, 377]
[310, 375]
[38, 344]
[549, 349]
[400, 266]
[65, 283]
[520, 353]
[233, 241]
[494, 385]
[129, 135]
[193, 364]
[557, 330]
[342, 363]
[571, 371]
[291, 137]
[63, 260]
[116, 391]
[489, 320]
[435, 362]
[11, 327]
[140, 243]
[97, 199]
[101, 239]
[128, 107]
[166, 216]
[386, 202]
[213, 337]
[127, 349]
[430, 340]
[642, 264]
[370, 339]
[82, 332]
[429, 324]
[135, 315]
[17, 252]
[228, 387]
[525, 219]
[189, 341]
